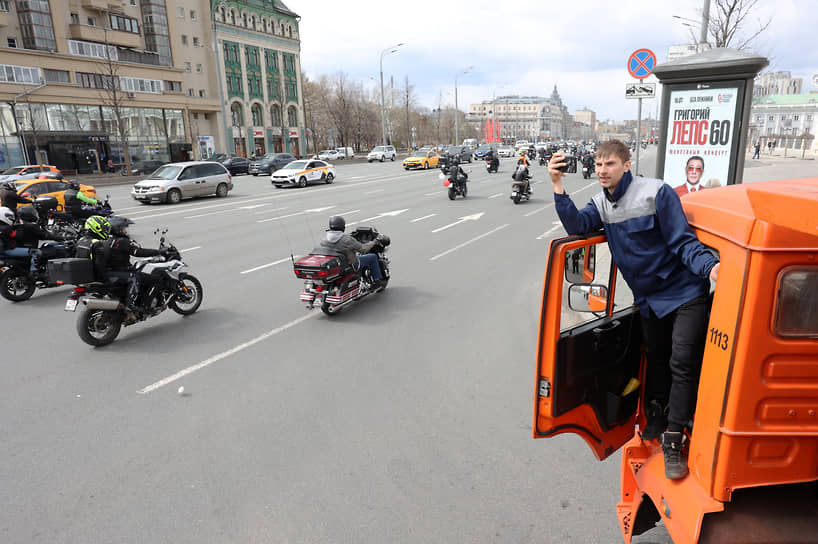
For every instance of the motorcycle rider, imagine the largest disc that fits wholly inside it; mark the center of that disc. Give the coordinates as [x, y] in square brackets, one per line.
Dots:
[96, 229]
[28, 234]
[521, 173]
[7, 219]
[114, 256]
[493, 160]
[9, 197]
[459, 177]
[74, 199]
[356, 253]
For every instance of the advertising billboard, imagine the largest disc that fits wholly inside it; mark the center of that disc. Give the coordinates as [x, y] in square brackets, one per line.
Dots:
[703, 128]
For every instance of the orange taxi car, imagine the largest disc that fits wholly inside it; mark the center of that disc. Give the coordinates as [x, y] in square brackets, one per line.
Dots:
[33, 188]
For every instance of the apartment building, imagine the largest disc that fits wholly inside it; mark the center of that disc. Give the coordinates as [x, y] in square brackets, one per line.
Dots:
[77, 77]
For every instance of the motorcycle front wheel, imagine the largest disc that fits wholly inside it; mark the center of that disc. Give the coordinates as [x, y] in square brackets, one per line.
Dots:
[188, 296]
[16, 285]
[98, 327]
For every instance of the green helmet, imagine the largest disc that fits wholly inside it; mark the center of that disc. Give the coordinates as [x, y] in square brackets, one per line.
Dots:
[98, 226]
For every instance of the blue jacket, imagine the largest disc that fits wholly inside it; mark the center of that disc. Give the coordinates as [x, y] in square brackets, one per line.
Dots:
[650, 240]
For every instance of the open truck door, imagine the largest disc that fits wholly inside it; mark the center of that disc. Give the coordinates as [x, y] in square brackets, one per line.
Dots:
[589, 356]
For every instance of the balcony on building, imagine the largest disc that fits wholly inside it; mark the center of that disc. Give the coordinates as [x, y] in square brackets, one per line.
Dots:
[99, 34]
[100, 5]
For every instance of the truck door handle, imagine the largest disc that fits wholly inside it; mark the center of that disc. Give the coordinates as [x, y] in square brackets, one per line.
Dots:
[606, 327]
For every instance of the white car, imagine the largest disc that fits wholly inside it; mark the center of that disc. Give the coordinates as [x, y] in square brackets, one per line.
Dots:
[302, 172]
[505, 151]
[381, 153]
[329, 155]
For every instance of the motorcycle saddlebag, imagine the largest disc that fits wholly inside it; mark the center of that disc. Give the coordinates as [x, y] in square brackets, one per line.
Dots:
[318, 267]
[71, 271]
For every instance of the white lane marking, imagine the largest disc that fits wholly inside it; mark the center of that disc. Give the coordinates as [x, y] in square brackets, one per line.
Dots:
[550, 231]
[314, 210]
[373, 192]
[268, 265]
[435, 193]
[236, 209]
[495, 196]
[473, 217]
[464, 244]
[190, 249]
[422, 218]
[538, 210]
[384, 214]
[223, 355]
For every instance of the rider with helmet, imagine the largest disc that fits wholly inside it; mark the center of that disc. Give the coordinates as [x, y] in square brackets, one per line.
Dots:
[459, 177]
[9, 197]
[96, 229]
[28, 234]
[357, 254]
[74, 199]
[7, 219]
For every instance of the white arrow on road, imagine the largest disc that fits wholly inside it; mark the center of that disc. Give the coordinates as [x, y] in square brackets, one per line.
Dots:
[384, 214]
[474, 217]
[314, 210]
[557, 226]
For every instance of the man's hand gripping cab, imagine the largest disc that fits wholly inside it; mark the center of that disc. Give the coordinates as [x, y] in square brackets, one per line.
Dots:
[753, 448]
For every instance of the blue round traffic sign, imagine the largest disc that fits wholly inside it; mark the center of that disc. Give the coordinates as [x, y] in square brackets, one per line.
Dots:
[641, 63]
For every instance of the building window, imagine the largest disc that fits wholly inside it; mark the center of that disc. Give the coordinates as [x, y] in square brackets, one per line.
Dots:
[206, 116]
[91, 49]
[809, 117]
[221, 10]
[19, 74]
[253, 22]
[88, 80]
[232, 17]
[141, 85]
[125, 24]
[133, 2]
[173, 86]
[783, 117]
[271, 60]
[36, 25]
[92, 21]
[244, 20]
[236, 116]
[4, 5]
[184, 39]
[275, 115]
[292, 116]
[57, 76]
[198, 68]
[796, 117]
[772, 118]
[195, 41]
[202, 93]
[12, 42]
[192, 15]
[187, 67]
[182, 13]
[155, 28]
[190, 92]
[195, 116]
[258, 119]
[75, 19]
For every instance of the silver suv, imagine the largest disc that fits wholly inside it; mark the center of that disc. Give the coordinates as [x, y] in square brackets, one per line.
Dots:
[381, 153]
[175, 181]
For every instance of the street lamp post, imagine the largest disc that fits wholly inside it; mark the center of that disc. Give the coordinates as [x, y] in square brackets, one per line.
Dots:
[456, 112]
[389, 50]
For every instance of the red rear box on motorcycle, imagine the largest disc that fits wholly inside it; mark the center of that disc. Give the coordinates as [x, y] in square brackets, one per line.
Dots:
[318, 267]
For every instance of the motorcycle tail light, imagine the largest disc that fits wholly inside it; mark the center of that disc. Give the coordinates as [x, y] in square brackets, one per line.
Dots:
[78, 289]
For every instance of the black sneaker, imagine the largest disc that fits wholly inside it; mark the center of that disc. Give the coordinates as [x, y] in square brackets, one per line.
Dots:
[675, 459]
[656, 415]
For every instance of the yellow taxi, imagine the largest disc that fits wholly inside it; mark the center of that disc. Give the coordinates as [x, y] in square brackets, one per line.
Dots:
[421, 158]
[33, 188]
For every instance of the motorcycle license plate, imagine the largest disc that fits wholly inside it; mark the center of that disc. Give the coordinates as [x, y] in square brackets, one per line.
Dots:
[585, 169]
[71, 304]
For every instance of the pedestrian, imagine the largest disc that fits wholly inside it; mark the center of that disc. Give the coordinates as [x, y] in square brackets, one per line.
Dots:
[774, 144]
[757, 149]
[667, 269]
[770, 146]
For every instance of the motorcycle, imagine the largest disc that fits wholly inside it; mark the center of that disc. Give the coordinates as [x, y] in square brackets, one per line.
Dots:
[587, 166]
[521, 186]
[455, 183]
[332, 282]
[18, 282]
[492, 165]
[103, 311]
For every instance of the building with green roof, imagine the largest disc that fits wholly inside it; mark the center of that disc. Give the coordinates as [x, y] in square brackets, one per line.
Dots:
[787, 120]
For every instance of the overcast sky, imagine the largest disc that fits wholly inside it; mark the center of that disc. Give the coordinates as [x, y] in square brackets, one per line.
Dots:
[525, 46]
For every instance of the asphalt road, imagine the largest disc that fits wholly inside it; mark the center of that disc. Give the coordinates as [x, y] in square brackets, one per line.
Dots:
[406, 418]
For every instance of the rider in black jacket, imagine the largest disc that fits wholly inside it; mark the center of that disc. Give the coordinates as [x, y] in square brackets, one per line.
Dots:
[115, 257]
[74, 200]
[9, 197]
[28, 234]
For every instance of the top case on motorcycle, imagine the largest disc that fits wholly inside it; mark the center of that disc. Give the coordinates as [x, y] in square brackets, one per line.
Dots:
[322, 264]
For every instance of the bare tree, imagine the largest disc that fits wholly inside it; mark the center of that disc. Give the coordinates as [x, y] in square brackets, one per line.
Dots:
[112, 96]
[32, 125]
[732, 24]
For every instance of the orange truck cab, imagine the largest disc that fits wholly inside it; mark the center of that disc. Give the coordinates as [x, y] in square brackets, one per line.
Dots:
[753, 447]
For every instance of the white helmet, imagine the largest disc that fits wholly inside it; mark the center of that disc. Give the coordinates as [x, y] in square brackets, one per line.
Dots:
[7, 216]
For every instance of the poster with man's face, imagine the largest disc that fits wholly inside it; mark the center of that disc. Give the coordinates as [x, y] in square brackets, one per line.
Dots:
[702, 127]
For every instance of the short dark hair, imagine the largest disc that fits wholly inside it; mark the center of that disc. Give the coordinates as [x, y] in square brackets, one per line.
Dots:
[616, 148]
[695, 158]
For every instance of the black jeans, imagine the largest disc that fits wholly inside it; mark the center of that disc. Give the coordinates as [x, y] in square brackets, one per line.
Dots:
[675, 346]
